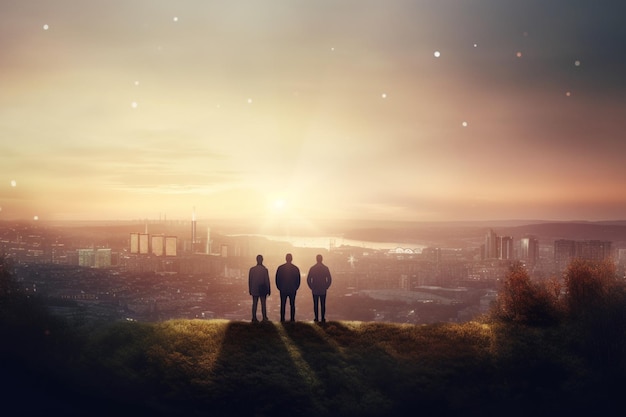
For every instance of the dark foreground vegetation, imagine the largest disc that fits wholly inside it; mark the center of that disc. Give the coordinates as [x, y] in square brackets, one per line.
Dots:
[544, 351]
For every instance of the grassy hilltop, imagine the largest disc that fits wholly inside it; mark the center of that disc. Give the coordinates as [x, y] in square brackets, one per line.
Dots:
[542, 351]
[193, 367]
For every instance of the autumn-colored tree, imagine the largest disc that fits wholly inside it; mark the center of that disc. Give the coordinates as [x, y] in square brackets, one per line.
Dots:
[523, 301]
[588, 285]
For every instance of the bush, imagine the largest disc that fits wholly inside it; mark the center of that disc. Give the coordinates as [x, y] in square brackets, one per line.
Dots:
[596, 308]
[589, 286]
[522, 301]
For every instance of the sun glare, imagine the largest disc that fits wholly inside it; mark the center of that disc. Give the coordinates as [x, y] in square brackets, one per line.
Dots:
[279, 204]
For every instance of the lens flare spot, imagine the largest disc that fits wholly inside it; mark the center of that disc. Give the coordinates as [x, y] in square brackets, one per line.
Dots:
[279, 204]
[13, 183]
[437, 54]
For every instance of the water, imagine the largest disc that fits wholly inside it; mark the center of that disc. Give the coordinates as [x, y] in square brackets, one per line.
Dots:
[326, 242]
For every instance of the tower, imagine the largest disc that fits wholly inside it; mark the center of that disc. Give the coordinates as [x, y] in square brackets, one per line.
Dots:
[193, 230]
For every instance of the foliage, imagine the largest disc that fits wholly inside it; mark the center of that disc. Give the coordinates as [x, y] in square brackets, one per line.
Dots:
[523, 301]
[228, 368]
[589, 286]
[596, 305]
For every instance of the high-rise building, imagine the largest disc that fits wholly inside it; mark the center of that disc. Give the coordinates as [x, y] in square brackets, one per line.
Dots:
[529, 250]
[134, 243]
[158, 245]
[505, 247]
[566, 250]
[144, 243]
[171, 243]
[491, 245]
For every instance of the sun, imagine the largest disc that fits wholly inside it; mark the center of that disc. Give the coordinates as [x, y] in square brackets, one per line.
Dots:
[279, 204]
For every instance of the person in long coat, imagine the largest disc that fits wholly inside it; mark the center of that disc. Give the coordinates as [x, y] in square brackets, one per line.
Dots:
[319, 281]
[288, 282]
[259, 287]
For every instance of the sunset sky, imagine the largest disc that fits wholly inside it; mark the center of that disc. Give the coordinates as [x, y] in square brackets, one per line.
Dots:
[264, 111]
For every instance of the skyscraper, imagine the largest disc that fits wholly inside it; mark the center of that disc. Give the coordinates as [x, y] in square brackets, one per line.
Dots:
[491, 245]
[529, 250]
[505, 247]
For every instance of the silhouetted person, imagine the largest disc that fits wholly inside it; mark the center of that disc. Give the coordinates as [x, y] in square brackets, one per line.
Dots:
[288, 282]
[319, 281]
[259, 287]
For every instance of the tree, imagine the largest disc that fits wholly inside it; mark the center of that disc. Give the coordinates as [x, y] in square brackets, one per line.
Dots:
[522, 301]
[589, 285]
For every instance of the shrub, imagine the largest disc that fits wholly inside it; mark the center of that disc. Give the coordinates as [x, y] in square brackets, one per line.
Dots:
[522, 301]
[589, 286]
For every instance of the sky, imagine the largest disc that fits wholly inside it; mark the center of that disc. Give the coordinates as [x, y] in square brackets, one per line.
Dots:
[294, 110]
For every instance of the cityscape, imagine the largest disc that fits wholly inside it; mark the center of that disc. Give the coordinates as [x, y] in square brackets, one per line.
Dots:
[156, 270]
[458, 166]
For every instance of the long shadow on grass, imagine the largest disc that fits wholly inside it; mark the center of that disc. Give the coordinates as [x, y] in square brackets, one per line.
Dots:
[255, 375]
[419, 369]
[342, 386]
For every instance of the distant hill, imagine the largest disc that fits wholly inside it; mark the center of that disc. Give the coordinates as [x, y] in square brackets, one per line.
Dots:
[463, 233]
[615, 232]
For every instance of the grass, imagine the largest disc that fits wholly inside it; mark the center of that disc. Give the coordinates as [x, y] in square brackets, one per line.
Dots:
[219, 368]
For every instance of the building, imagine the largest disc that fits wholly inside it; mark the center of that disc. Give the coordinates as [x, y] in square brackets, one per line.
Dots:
[158, 245]
[194, 236]
[94, 258]
[529, 250]
[498, 247]
[134, 243]
[491, 245]
[505, 247]
[171, 245]
[144, 243]
[567, 250]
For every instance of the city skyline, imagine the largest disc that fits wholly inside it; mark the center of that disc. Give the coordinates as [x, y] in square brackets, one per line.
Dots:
[298, 111]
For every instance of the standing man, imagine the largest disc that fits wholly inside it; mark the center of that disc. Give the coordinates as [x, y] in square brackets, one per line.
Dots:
[319, 281]
[259, 287]
[288, 282]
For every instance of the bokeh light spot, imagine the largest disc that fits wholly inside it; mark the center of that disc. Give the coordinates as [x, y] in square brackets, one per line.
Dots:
[13, 183]
[437, 54]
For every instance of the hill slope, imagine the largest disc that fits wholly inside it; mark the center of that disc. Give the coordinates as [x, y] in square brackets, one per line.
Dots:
[220, 367]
